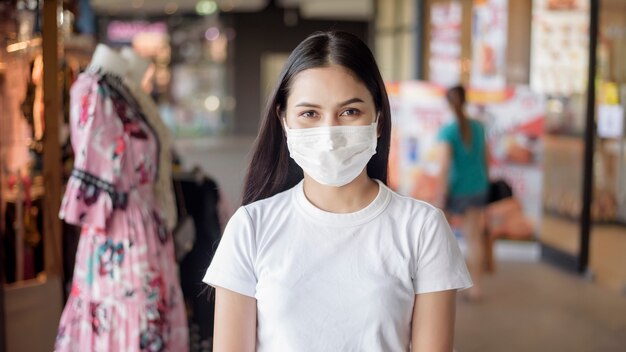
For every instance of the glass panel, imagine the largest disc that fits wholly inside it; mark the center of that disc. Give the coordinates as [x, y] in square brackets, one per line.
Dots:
[608, 234]
[559, 56]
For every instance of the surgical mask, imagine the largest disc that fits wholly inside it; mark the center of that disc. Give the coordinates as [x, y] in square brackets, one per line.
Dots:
[332, 155]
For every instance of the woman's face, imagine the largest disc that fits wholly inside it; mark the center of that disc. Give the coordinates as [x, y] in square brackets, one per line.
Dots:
[328, 96]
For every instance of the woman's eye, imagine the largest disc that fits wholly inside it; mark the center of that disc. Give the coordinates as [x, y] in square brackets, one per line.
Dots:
[351, 112]
[308, 114]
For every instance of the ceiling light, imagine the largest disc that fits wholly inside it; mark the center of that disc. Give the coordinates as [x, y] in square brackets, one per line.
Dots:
[212, 103]
[206, 7]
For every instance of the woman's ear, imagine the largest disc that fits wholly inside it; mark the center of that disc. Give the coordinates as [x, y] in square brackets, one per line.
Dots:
[379, 126]
[280, 115]
[278, 111]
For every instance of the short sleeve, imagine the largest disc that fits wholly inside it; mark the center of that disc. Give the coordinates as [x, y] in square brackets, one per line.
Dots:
[444, 135]
[99, 142]
[232, 267]
[440, 264]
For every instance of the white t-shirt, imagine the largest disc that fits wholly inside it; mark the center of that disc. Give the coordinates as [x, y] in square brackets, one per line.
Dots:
[336, 282]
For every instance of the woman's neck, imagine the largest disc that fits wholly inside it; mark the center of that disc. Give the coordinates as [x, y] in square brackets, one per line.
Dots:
[350, 198]
[137, 65]
[108, 61]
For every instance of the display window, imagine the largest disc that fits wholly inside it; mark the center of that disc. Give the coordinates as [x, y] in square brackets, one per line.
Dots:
[30, 252]
[559, 66]
[607, 252]
[596, 249]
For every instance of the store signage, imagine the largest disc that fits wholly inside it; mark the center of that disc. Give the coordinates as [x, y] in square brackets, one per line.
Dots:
[559, 47]
[420, 109]
[514, 128]
[445, 44]
[610, 121]
[125, 31]
[489, 38]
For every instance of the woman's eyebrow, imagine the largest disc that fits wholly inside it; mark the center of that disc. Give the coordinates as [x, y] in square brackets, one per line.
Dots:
[347, 102]
[350, 101]
[308, 105]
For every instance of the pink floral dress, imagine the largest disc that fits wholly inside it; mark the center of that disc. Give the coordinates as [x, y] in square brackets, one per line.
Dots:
[125, 293]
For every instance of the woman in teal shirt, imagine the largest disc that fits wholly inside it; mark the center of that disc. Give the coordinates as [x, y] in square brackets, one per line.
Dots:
[465, 165]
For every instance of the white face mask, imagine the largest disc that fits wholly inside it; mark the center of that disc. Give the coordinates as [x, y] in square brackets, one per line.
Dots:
[332, 155]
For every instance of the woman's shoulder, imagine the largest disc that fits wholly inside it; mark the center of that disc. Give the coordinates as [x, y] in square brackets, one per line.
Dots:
[450, 125]
[412, 207]
[274, 204]
[447, 131]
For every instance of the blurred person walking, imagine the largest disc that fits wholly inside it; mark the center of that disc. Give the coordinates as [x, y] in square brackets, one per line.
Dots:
[466, 181]
[323, 256]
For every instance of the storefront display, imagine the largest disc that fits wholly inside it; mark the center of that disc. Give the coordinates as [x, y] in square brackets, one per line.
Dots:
[559, 67]
[202, 92]
[515, 133]
[560, 42]
[489, 45]
[419, 110]
[190, 74]
[559, 49]
[608, 231]
[20, 179]
[30, 260]
[583, 191]
[611, 116]
[445, 44]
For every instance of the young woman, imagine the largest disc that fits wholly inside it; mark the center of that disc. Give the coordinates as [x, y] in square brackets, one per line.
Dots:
[466, 169]
[323, 256]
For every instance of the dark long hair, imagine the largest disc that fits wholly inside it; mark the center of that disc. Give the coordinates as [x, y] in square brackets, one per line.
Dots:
[456, 99]
[271, 170]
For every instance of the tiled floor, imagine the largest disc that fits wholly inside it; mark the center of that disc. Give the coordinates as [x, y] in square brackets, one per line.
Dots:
[607, 251]
[532, 306]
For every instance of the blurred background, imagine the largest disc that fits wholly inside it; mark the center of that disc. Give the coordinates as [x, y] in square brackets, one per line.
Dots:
[547, 78]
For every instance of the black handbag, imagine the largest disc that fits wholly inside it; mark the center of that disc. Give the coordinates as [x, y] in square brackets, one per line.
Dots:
[498, 190]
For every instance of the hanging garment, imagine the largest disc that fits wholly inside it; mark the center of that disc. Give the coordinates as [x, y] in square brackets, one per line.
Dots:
[202, 200]
[14, 130]
[125, 294]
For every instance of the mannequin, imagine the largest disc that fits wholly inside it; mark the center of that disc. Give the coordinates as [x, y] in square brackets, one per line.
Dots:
[125, 292]
[108, 61]
[137, 67]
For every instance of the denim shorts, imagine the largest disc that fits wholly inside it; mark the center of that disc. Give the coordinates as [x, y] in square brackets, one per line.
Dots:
[459, 205]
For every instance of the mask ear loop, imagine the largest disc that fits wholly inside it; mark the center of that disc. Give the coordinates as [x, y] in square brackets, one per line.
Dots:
[376, 124]
[282, 118]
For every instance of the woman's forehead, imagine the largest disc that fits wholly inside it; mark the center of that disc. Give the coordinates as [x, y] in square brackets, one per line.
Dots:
[328, 83]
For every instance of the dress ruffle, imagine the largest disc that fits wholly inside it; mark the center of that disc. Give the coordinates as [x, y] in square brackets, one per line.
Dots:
[86, 203]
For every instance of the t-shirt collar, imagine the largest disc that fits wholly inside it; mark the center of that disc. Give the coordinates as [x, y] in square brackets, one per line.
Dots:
[343, 219]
